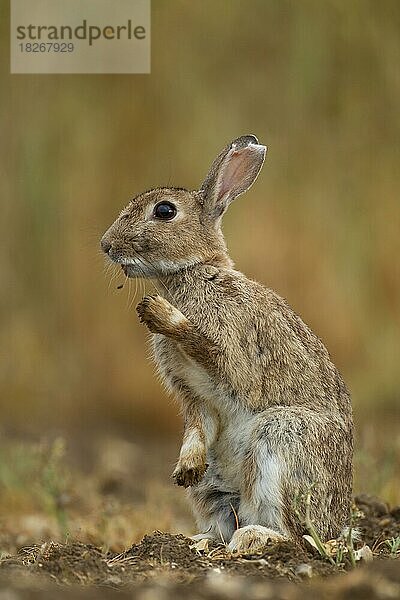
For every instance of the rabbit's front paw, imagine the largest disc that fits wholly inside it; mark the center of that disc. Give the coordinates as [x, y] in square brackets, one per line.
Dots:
[160, 316]
[188, 474]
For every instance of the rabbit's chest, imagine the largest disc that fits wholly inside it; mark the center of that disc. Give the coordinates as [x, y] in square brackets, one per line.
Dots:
[233, 422]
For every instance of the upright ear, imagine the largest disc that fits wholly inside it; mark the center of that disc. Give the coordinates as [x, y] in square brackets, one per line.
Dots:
[233, 172]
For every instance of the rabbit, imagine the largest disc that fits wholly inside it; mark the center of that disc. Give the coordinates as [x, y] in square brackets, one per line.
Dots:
[267, 416]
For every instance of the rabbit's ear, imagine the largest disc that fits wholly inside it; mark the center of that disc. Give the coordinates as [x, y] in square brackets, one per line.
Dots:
[233, 171]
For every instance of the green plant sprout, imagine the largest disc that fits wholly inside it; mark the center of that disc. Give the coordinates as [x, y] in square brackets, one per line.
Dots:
[394, 545]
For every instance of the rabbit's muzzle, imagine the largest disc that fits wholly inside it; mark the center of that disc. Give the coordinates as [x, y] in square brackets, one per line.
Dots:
[105, 245]
[120, 250]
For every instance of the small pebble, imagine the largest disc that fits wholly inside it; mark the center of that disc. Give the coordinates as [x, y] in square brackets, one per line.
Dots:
[304, 570]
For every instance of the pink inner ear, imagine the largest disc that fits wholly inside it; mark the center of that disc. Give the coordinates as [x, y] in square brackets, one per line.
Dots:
[231, 174]
[239, 170]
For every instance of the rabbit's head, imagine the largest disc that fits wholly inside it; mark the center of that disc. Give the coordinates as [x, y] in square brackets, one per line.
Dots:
[166, 229]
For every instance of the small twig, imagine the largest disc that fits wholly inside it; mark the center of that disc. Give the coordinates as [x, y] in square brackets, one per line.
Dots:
[236, 516]
[220, 534]
[378, 543]
[161, 554]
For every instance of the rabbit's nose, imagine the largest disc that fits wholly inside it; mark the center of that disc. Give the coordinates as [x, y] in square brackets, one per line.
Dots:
[105, 245]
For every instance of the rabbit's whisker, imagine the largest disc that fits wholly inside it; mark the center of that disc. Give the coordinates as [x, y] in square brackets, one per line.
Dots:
[129, 293]
[134, 293]
[159, 281]
[147, 264]
[114, 272]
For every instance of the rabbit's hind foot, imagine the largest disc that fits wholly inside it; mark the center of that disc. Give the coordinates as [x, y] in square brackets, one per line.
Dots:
[253, 538]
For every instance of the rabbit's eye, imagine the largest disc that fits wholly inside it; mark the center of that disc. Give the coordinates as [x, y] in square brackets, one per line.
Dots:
[165, 211]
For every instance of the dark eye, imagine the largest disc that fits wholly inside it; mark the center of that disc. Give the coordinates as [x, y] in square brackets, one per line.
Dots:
[165, 211]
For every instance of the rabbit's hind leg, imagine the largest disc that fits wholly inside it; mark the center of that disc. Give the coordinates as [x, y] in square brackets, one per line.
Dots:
[279, 467]
[261, 495]
[261, 505]
[215, 510]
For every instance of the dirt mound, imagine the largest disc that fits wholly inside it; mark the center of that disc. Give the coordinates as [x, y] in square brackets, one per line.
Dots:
[167, 566]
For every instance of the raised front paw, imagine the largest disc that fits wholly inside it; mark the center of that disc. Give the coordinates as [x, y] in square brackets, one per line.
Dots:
[160, 316]
[188, 474]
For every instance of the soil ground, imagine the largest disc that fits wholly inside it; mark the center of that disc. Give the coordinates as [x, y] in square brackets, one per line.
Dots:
[166, 566]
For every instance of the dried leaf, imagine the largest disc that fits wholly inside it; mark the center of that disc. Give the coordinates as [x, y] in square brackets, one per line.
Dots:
[311, 541]
[201, 545]
[331, 547]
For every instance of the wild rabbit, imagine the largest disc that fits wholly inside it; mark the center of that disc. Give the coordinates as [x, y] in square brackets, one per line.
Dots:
[267, 416]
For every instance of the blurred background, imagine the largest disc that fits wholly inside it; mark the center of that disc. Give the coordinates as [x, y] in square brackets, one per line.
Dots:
[318, 82]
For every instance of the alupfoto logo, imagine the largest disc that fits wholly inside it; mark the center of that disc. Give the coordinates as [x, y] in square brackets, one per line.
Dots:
[80, 36]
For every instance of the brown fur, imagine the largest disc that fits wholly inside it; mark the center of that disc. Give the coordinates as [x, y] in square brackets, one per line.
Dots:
[262, 402]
